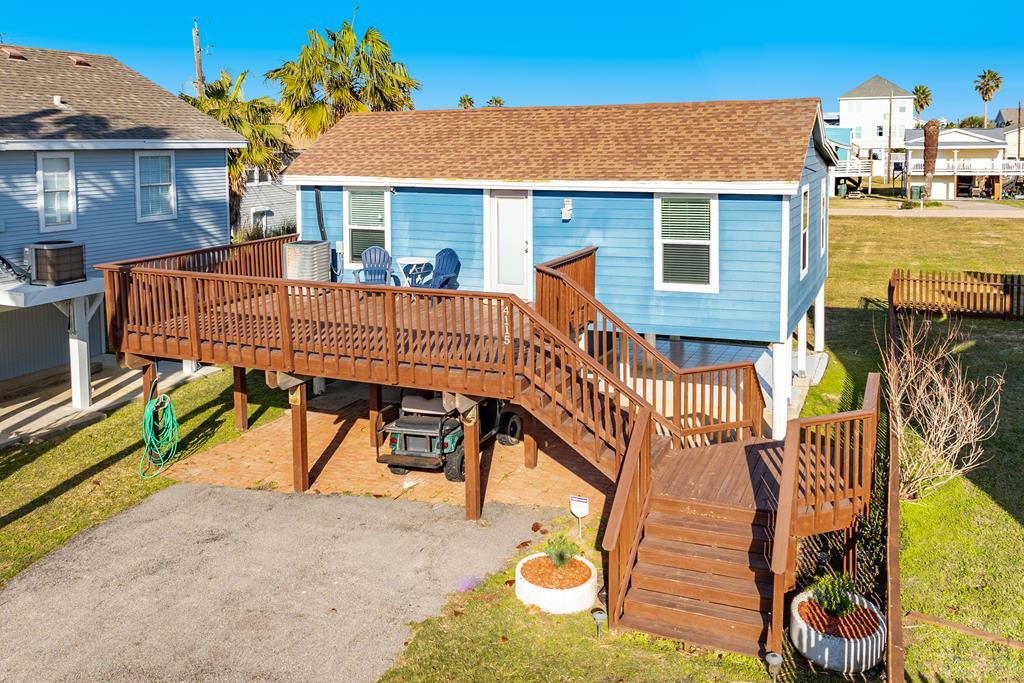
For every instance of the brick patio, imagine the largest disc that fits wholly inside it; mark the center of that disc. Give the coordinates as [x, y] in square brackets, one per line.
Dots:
[343, 461]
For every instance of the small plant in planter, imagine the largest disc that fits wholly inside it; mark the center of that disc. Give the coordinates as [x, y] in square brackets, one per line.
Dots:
[835, 628]
[559, 580]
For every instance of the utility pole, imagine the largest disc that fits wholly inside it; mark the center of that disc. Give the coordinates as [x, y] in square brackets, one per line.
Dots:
[200, 81]
[888, 151]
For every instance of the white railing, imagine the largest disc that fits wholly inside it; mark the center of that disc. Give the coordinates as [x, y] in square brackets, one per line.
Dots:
[970, 167]
[854, 167]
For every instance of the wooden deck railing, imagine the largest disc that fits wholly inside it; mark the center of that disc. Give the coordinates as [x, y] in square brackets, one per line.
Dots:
[697, 405]
[624, 531]
[965, 293]
[259, 258]
[827, 474]
[462, 341]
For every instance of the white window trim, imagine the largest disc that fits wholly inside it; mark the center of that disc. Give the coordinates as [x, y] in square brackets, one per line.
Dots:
[72, 193]
[824, 215]
[805, 230]
[139, 218]
[258, 209]
[350, 264]
[659, 283]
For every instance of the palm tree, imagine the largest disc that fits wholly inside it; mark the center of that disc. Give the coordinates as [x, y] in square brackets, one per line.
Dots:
[931, 153]
[466, 102]
[922, 100]
[224, 100]
[339, 74]
[496, 102]
[987, 84]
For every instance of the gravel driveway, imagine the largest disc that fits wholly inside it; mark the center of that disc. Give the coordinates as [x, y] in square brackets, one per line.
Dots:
[201, 583]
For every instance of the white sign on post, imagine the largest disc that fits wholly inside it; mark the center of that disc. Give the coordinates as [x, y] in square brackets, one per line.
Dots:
[579, 506]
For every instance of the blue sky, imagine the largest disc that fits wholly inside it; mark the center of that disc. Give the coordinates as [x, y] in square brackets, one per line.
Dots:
[533, 53]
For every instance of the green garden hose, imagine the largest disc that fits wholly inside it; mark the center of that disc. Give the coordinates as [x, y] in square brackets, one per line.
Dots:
[159, 434]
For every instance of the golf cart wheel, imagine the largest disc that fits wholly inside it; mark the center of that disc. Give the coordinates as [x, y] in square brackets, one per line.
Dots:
[510, 428]
[455, 465]
[395, 469]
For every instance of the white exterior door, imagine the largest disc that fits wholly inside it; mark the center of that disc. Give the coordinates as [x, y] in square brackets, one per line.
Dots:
[509, 260]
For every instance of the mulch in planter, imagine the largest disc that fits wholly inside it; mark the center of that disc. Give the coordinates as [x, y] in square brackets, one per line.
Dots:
[541, 572]
[861, 624]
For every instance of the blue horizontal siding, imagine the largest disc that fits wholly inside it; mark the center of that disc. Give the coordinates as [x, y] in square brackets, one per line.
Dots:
[803, 290]
[425, 220]
[622, 226]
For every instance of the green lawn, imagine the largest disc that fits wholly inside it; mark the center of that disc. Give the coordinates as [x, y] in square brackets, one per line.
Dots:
[1019, 203]
[52, 490]
[963, 546]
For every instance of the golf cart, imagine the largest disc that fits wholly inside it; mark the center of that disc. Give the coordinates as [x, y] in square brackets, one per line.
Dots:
[426, 436]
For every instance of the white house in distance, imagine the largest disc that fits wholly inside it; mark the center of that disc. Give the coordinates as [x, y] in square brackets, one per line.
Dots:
[971, 162]
[865, 111]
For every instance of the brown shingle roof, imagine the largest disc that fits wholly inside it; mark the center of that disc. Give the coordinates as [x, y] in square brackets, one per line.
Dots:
[103, 101]
[751, 141]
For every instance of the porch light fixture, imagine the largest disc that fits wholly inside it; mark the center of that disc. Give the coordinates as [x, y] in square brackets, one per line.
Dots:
[566, 209]
[600, 616]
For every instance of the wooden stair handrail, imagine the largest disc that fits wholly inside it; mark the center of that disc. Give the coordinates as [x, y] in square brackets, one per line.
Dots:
[625, 480]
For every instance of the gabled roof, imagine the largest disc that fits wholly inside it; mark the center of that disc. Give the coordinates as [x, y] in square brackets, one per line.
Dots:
[876, 86]
[100, 99]
[1008, 114]
[731, 141]
[963, 137]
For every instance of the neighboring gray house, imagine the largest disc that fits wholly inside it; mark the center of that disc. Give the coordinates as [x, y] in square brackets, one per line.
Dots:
[267, 203]
[1006, 117]
[94, 153]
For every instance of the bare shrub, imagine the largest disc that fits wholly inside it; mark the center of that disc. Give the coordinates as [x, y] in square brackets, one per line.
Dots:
[941, 415]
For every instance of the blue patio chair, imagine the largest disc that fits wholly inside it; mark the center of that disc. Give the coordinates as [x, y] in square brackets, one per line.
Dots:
[446, 271]
[376, 268]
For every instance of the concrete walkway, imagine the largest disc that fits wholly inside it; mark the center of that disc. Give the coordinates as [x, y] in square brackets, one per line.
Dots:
[200, 583]
[47, 410]
[962, 208]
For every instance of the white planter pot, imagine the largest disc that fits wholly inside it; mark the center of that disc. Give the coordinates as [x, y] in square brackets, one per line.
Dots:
[557, 600]
[848, 655]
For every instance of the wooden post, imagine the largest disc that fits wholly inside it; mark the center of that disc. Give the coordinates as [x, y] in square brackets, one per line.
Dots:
[148, 381]
[850, 551]
[241, 396]
[375, 408]
[471, 444]
[529, 441]
[300, 451]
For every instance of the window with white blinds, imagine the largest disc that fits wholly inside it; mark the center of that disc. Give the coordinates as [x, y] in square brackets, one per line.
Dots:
[686, 243]
[56, 179]
[154, 186]
[366, 222]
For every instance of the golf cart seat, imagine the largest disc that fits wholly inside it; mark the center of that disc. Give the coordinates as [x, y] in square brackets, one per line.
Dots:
[421, 405]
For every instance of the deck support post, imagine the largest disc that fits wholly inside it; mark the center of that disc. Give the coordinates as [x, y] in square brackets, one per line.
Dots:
[819, 320]
[529, 441]
[240, 394]
[149, 387]
[78, 342]
[471, 445]
[850, 551]
[782, 379]
[300, 446]
[375, 407]
[801, 346]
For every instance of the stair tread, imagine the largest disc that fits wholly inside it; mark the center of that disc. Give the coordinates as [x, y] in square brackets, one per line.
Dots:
[719, 526]
[693, 636]
[755, 561]
[677, 603]
[731, 584]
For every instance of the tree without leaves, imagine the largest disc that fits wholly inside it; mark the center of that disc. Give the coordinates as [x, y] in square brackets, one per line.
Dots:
[987, 84]
[268, 145]
[922, 100]
[339, 74]
[466, 102]
[496, 102]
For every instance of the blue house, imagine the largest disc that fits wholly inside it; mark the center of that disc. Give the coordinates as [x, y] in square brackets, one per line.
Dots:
[710, 217]
[97, 163]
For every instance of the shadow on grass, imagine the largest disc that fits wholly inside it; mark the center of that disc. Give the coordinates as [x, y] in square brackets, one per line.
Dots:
[193, 440]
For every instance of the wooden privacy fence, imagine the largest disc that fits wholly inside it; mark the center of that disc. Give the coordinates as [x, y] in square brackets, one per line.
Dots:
[992, 295]
[827, 473]
[708, 404]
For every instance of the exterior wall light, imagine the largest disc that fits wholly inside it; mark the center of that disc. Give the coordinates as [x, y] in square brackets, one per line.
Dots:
[566, 209]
